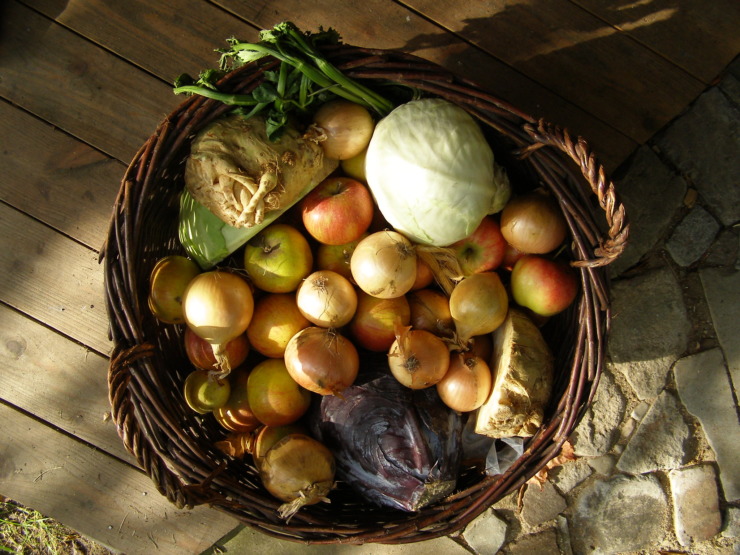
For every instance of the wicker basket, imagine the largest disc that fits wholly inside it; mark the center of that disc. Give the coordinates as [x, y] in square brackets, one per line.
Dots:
[148, 365]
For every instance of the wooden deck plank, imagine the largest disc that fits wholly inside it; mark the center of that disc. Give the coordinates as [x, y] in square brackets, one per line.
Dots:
[96, 494]
[709, 31]
[399, 27]
[574, 53]
[73, 84]
[53, 279]
[392, 25]
[164, 38]
[56, 178]
[57, 381]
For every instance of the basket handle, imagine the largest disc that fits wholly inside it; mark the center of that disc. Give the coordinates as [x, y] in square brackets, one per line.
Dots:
[611, 246]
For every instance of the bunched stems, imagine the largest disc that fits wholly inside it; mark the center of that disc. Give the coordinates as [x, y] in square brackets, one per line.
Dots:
[304, 75]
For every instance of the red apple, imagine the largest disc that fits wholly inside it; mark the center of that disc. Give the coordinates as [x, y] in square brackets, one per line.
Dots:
[483, 250]
[336, 257]
[338, 211]
[544, 286]
[375, 321]
[278, 258]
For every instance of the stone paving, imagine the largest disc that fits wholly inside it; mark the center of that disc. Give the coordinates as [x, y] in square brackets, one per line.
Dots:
[657, 452]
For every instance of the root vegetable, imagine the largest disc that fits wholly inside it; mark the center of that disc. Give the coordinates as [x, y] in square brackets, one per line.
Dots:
[418, 358]
[322, 360]
[523, 374]
[218, 307]
[298, 470]
[327, 299]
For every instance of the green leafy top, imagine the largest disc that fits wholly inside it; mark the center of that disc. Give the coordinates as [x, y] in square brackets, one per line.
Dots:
[303, 77]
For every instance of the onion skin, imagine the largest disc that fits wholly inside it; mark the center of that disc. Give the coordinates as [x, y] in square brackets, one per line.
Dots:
[533, 223]
[298, 470]
[424, 275]
[327, 299]
[478, 305]
[218, 307]
[200, 352]
[267, 436]
[467, 383]
[322, 361]
[346, 128]
[430, 311]
[384, 264]
[236, 415]
[374, 324]
[418, 358]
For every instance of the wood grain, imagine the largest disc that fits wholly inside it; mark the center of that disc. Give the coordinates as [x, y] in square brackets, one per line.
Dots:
[387, 24]
[57, 381]
[397, 30]
[77, 86]
[97, 494]
[573, 52]
[164, 38]
[53, 279]
[55, 178]
[700, 37]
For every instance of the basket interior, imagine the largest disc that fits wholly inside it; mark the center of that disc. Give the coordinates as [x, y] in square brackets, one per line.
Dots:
[176, 446]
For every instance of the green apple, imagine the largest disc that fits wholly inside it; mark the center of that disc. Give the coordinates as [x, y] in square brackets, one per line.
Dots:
[278, 258]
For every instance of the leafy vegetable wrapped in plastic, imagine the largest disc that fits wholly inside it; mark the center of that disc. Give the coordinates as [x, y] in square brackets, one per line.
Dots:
[238, 181]
[397, 447]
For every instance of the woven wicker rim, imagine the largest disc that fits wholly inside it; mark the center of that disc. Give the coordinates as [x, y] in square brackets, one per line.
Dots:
[147, 366]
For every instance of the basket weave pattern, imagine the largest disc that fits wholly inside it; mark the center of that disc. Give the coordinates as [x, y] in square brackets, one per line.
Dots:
[148, 365]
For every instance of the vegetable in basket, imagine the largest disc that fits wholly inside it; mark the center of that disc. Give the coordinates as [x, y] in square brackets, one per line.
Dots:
[432, 173]
[238, 181]
[241, 201]
[397, 447]
[523, 378]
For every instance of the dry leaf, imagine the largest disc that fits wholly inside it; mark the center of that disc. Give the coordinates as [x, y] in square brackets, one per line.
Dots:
[566, 454]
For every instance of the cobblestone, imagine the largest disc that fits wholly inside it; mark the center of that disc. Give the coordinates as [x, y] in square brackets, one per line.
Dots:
[658, 442]
[704, 388]
[695, 503]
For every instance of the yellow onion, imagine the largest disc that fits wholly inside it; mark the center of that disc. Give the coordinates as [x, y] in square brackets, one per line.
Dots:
[384, 264]
[345, 128]
[533, 223]
[478, 305]
[467, 383]
[298, 470]
[327, 299]
[418, 358]
[322, 360]
[430, 311]
[267, 436]
[218, 307]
